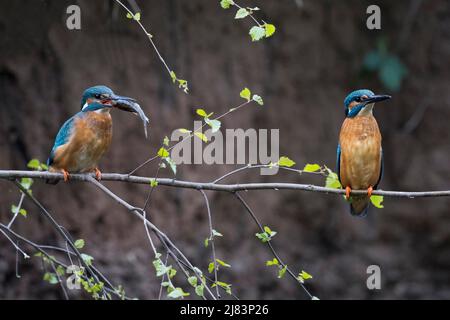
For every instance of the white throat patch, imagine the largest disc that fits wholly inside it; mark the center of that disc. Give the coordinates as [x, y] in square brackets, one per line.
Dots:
[367, 110]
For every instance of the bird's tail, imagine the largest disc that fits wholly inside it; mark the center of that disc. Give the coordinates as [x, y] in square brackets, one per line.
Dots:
[359, 205]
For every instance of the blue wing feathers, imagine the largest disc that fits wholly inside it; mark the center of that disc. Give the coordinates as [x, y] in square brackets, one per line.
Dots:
[338, 162]
[62, 137]
[381, 170]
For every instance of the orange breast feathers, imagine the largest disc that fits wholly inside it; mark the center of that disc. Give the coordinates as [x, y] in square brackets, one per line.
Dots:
[90, 139]
[360, 163]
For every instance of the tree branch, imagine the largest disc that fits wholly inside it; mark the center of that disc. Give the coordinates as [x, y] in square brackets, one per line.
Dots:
[14, 174]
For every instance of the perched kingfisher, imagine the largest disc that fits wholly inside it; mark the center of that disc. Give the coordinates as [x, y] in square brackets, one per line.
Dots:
[85, 137]
[359, 153]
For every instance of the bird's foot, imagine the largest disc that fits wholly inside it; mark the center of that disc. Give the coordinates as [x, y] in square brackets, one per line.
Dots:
[347, 192]
[98, 174]
[66, 175]
[369, 191]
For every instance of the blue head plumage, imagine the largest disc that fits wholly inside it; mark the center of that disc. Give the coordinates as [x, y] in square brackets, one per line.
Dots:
[363, 97]
[95, 93]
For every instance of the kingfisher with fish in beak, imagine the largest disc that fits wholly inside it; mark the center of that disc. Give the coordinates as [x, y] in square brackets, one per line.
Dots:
[359, 152]
[85, 137]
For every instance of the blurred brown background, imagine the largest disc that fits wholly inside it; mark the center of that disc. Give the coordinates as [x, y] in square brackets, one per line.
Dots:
[321, 51]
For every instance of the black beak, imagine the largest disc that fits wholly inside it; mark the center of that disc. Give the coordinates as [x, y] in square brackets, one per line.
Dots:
[130, 105]
[376, 98]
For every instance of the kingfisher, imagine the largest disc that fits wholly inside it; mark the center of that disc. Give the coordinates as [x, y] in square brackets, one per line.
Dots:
[85, 137]
[359, 152]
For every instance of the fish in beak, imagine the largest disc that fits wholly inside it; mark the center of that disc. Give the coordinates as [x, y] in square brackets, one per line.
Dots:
[130, 105]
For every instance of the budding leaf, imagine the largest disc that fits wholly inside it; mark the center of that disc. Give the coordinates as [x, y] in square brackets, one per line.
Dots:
[225, 4]
[201, 112]
[201, 136]
[79, 244]
[285, 162]
[377, 201]
[257, 33]
[214, 124]
[163, 153]
[34, 164]
[269, 29]
[258, 99]
[241, 13]
[245, 94]
[311, 167]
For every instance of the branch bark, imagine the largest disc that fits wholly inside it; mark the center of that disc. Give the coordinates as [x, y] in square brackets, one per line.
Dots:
[14, 174]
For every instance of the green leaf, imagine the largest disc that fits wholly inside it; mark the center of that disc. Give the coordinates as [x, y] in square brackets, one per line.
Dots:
[14, 209]
[224, 285]
[172, 165]
[285, 162]
[173, 76]
[214, 124]
[263, 236]
[392, 73]
[377, 201]
[245, 94]
[269, 29]
[268, 230]
[87, 259]
[163, 153]
[79, 244]
[137, 16]
[184, 130]
[242, 13]
[199, 290]
[26, 182]
[273, 262]
[51, 278]
[215, 233]
[177, 293]
[223, 263]
[23, 212]
[225, 4]
[201, 112]
[34, 164]
[60, 270]
[201, 136]
[206, 242]
[153, 182]
[282, 272]
[372, 61]
[211, 267]
[172, 273]
[258, 99]
[166, 141]
[311, 167]
[304, 275]
[193, 281]
[129, 16]
[257, 33]
[332, 180]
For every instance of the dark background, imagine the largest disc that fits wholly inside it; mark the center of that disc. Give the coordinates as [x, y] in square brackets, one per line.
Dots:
[303, 73]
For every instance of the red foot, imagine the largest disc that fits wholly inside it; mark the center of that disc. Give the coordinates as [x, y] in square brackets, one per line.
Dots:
[347, 192]
[369, 191]
[66, 175]
[98, 174]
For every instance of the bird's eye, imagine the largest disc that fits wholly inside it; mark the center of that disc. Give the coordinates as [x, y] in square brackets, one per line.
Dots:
[98, 96]
[358, 99]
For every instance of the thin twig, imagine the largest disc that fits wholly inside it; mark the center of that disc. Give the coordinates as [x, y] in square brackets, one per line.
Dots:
[269, 244]
[211, 239]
